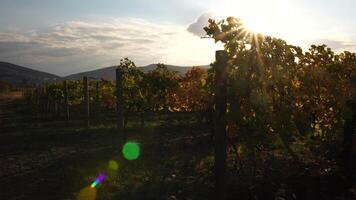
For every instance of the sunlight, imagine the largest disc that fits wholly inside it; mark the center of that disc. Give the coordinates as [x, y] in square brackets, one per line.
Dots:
[278, 18]
[258, 16]
[255, 25]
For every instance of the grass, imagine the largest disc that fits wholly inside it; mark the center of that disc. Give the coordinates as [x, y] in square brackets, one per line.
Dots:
[54, 159]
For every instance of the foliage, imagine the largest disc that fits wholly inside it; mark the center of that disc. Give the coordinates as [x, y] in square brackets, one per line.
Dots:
[132, 82]
[192, 94]
[159, 85]
[279, 93]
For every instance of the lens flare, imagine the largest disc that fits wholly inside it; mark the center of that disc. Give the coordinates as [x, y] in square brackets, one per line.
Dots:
[131, 150]
[113, 165]
[98, 180]
[87, 193]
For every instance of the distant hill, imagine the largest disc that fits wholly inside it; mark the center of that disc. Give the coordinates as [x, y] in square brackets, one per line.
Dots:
[109, 72]
[19, 75]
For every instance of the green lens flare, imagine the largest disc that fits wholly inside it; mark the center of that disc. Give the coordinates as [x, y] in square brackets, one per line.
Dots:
[131, 150]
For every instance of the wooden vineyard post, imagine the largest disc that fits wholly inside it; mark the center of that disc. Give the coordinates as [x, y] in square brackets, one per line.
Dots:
[119, 103]
[55, 104]
[86, 100]
[220, 124]
[65, 92]
[43, 100]
[97, 96]
[48, 102]
[349, 137]
[37, 102]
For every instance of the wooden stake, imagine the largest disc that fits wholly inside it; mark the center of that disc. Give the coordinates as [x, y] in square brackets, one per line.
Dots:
[86, 100]
[65, 92]
[97, 96]
[348, 143]
[120, 103]
[220, 124]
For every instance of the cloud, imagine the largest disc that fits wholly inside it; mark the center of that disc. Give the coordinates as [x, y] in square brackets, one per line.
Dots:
[338, 45]
[101, 38]
[82, 45]
[76, 46]
[197, 26]
[15, 46]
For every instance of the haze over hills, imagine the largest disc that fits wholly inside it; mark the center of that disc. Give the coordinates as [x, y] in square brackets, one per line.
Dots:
[16, 74]
[109, 72]
[19, 75]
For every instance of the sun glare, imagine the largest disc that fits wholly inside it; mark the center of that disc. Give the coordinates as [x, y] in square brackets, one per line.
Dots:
[258, 16]
[278, 18]
[255, 25]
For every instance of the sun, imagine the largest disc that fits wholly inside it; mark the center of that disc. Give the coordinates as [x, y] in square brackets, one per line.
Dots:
[278, 18]
[258, 16]
[255, 25]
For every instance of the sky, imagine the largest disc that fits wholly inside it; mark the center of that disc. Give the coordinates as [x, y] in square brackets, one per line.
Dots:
[70, 36]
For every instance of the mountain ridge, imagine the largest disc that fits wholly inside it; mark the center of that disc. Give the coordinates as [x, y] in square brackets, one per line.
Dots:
[109, 72]
[20, 75]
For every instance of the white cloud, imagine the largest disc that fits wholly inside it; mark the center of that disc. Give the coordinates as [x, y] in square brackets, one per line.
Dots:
[197, 27]
[338, 40]
[81, 45]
